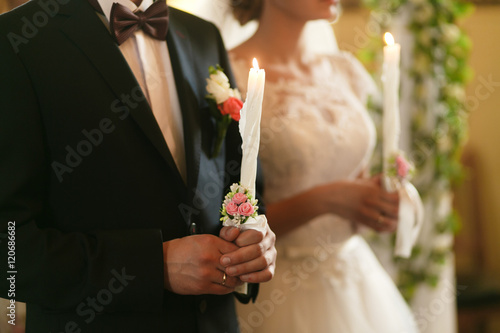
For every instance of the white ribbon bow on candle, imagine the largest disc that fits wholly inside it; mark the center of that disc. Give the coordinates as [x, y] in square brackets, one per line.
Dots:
[410, 218]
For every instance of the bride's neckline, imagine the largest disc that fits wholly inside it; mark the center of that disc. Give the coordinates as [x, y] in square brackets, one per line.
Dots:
[277, 72]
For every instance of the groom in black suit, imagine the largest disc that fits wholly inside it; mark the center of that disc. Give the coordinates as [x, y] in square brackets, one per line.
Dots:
[102, 227]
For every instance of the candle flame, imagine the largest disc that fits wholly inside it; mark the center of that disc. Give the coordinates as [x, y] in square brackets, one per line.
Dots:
[255, 64]
[389, 40]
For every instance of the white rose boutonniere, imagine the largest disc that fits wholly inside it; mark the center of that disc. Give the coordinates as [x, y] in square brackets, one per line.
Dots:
[225, 104]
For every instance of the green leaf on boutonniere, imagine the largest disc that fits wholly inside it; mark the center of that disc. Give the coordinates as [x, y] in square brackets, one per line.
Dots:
[221, 129]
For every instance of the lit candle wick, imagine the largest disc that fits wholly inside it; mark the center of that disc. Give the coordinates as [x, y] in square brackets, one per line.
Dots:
[255, 64]
[389, 40]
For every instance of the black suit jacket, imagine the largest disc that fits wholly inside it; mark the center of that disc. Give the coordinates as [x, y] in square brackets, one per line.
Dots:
[89, 181]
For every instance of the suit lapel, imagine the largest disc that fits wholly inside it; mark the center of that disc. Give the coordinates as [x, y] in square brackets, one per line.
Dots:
[182, 63]
[101, 50]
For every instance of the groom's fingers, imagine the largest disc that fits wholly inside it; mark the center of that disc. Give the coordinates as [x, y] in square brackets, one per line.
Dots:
[249, 237]
[224, 284]
[261, 276]
[258, 264]
[251, 251]
[255, 260]
[229, 233]
[192, 266]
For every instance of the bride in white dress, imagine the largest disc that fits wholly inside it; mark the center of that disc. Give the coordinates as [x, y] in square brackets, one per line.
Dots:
[316, 142]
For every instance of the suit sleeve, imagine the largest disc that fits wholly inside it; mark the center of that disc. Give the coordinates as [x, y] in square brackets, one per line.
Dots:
[51, 268]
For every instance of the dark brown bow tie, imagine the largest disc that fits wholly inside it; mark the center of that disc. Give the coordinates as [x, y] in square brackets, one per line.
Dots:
[154, 21]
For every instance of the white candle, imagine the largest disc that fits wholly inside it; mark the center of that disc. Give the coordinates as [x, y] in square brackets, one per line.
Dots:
[250, 126]
[250, 134]
[390, 79]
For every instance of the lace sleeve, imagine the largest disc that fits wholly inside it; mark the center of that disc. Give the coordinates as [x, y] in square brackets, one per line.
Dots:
[360, 80]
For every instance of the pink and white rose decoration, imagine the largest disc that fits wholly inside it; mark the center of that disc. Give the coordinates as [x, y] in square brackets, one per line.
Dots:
[238, 206]
[400, 167]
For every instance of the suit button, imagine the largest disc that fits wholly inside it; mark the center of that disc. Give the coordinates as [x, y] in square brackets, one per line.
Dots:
[203, 306]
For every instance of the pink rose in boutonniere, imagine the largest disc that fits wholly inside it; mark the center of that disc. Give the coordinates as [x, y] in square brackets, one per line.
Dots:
[225, 104]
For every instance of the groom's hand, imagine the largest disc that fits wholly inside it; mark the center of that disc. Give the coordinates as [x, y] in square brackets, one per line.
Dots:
[255, 260]
[192, 265]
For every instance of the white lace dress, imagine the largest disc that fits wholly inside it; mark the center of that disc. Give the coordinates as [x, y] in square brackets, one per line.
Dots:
[316, 130]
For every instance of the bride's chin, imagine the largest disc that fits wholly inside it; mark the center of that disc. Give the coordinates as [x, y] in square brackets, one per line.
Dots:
[334, 13]
[331, 14]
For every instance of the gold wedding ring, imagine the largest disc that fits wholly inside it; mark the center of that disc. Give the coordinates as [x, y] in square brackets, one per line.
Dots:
[224, 278]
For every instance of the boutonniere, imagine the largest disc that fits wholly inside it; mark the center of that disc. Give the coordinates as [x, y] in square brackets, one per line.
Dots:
[225, 104]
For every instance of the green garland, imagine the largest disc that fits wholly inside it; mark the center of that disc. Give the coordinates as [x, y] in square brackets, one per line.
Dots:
[440, 53]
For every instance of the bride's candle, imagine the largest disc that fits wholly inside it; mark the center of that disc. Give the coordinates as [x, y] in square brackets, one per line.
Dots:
[250, 125]
[390, 79]
[411, 211]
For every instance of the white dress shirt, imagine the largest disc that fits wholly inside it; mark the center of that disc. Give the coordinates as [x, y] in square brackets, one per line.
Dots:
[149, 60]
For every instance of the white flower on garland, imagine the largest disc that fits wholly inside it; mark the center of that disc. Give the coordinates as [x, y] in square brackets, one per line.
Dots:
[451, 33]
[455, 91]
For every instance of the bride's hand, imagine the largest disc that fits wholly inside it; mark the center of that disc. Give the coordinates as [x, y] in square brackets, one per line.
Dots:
[364, 201]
